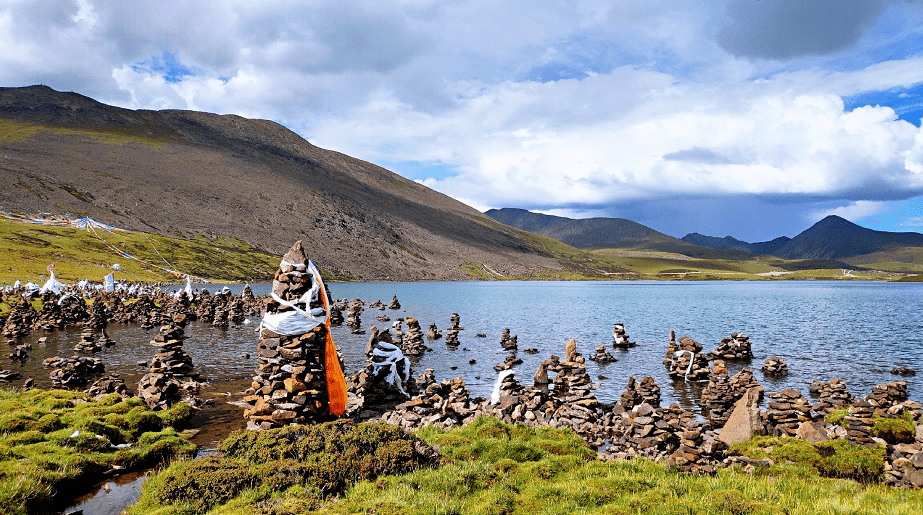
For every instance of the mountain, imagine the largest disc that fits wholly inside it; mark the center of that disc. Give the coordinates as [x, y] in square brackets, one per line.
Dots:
[192, 174]
[728, 242]
[605, 233]
[838, 238]
[832, 238]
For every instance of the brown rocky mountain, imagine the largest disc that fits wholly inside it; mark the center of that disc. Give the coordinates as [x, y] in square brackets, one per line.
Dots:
[189, 173]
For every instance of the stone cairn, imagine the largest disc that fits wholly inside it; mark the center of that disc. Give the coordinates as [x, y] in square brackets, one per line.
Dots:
[413, 340]
[397, 334]
[723, 392]
[434, 333]
[20, 353]
[630, 397]
[382, 384]
[509, 362]
[336, 315]
[72, 372]
[649, 391]
[443, 404]
[833, 396]
[602, 355]
[291, 382]
[111, 383]
[886, 397]
[859, 423]
[685, 359]
[20, 320]
[172, 377]
[383, 318]
[451, 337]
[455, 322]
[735, 348]
[88, 341]
[620, 337]
[508, 342]
[903, 371]
[786, 412]
[774, 366]
[353, 319]
[378, 304]
[394, 303]
[8, 375]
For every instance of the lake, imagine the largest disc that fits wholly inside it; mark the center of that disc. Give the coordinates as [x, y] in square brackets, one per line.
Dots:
[857, 331]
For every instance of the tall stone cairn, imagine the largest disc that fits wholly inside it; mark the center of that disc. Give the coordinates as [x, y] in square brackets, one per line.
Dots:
[434, 333]
[630, 397]
[395, 304]
[20, 320]
[336, 315]
[290, 385]
[833, 396]
[172, 376]
[786, 411]
[455, 322]
[859, 420]
[649, 391]
[413, 340]
[508, 342]
[353, 315]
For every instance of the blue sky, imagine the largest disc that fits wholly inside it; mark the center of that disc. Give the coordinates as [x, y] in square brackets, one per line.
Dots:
[749, 118]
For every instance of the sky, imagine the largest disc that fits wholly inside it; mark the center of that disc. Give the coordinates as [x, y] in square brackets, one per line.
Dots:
[748, 118]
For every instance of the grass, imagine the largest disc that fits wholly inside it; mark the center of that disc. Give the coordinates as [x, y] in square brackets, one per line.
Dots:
[489, 467]
[12, 131]
[79, 254]
[54, 443]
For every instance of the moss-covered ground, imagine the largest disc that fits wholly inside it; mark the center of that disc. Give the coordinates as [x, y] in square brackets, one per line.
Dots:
[56, 443]
[28, 249]
[489, 467]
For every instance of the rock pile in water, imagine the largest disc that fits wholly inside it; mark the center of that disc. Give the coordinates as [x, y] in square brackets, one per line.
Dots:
[859, 420]
[353, 316]
[290, 385]
[336, 315]
[508, 342]
[394, 303]
[685, 359]
[833, 396]
[451, 337]
[8, 375]
[72, 372]
[378, 304]
[20, 353]
[434, 333]
[88, 342]
[20, 320]
[630, 397]
[172, 377]
[723, 392]
[602, 355]
[446, 404]
[620, 337]
[646, 392]
[903, 371]
[786, 411]
[413, 340]
[735, 348]
[455, 322]
[397, 334]
[774, 366]
[111, 383]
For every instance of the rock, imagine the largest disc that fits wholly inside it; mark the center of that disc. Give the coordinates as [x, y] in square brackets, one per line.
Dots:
[744, 421]
[774, 366]
[812, 432]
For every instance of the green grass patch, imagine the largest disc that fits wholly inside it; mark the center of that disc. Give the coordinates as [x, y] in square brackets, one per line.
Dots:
[12, 131]
[894, 430]
[833, 458]
[79, 254]
[313, 461]
[54, 443]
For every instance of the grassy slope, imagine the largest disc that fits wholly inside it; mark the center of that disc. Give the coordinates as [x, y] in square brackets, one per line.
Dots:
[493, 468]
[78, 254]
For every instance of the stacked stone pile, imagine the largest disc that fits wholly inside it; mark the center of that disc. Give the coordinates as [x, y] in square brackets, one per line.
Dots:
[451, 337]
[72, 372]
[602, 355]
[509, 362]
[20, 320]
[883, 397]
[383, 318]
[336, 315]
[630, 397]
[8, 375]
[378, 304]
[620, 337]
[397, 334]
[413, 340]
[649, 391]
[49, 317]
[172, 377]
[88, 341]
[394, 303]
[508, 342]
[786, 411]
[859, 420]
[833, 396]
[446, 404]
[111, 383]
[687, 361]
[774, 366]
[20, 353]
[383, 383]
[735, 348]
[353, 316]
[291, 381]
[723, 392]
[434, 333]
[455, 322]
[904, 465]
[696, 446]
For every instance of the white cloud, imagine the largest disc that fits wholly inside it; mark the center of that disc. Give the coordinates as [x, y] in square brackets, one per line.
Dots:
[853, 212]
